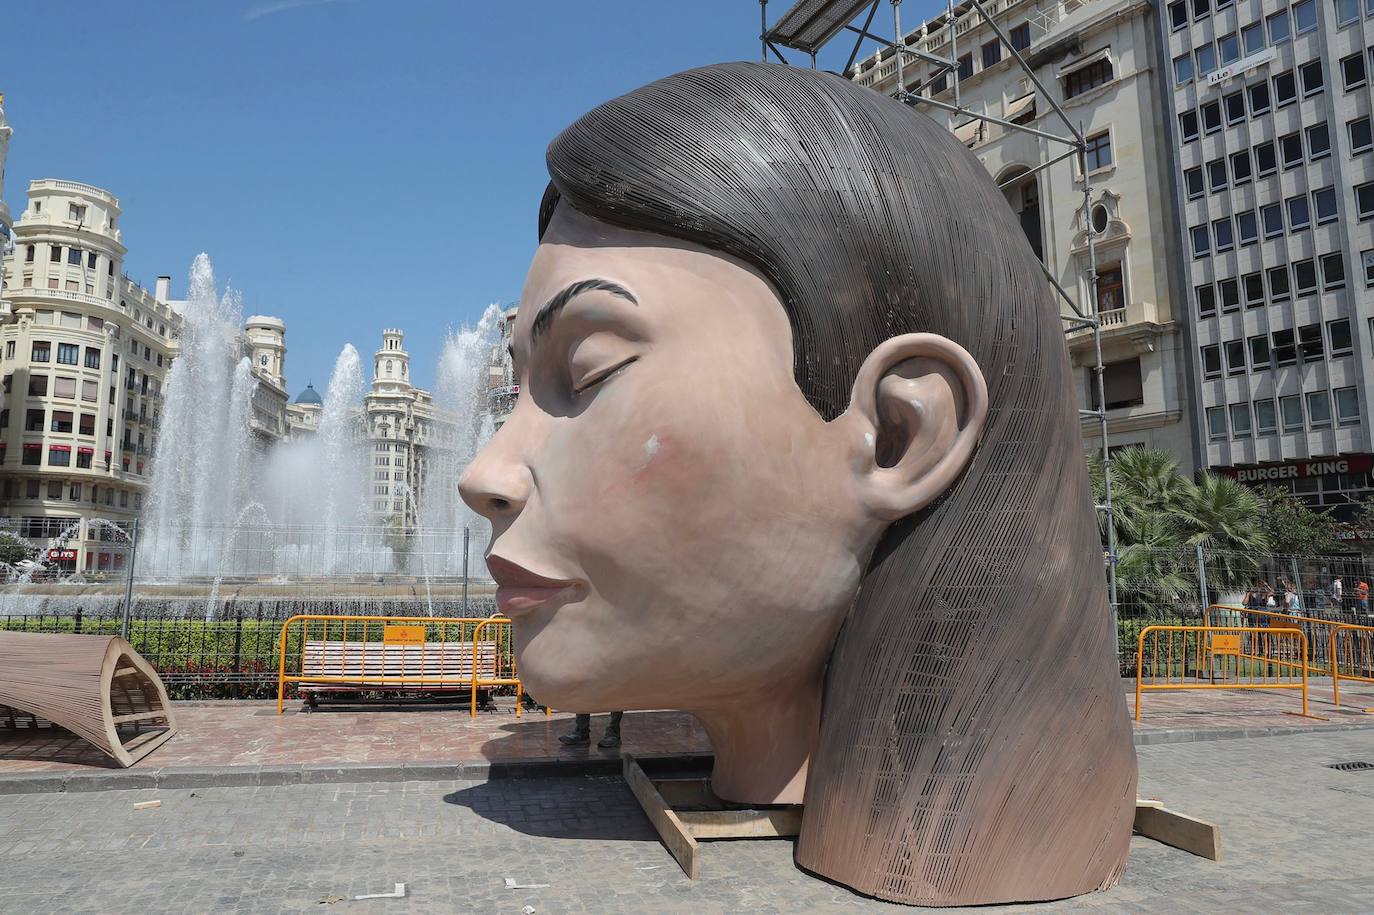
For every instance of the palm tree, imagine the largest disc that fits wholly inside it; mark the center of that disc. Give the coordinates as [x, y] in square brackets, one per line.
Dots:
[1225, 518]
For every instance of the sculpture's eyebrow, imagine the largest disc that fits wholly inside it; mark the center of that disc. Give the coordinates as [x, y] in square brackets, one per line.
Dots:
[546, 315]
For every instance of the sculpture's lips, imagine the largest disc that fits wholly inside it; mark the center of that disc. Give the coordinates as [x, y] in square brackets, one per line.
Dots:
[518, 590]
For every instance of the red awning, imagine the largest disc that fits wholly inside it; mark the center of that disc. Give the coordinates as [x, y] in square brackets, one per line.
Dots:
[34, 445]
[59, 447]
[107, 455]
[85, 451]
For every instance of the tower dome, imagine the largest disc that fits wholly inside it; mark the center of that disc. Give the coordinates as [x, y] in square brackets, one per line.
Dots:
[309, 396]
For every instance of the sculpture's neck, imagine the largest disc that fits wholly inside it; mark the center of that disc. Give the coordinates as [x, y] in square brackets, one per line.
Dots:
[762, 745]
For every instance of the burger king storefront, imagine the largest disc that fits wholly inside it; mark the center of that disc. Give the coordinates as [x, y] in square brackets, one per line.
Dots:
[1334, 483]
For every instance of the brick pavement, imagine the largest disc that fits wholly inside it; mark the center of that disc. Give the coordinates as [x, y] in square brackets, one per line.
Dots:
[251, 734]
[1294, 838]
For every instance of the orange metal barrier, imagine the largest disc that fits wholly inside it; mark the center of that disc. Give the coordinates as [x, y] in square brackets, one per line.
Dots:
[1351, 650]
[398, 652]
[1318, 631]
[1221, 657]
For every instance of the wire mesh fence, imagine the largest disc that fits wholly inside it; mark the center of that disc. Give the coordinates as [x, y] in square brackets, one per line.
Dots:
[1176, 586]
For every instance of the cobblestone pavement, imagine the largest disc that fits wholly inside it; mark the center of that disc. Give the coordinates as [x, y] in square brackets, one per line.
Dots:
[1295, 838]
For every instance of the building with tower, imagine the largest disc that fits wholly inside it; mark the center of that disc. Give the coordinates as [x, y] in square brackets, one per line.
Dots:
[303, 413]
[411, 440]
[5, 221]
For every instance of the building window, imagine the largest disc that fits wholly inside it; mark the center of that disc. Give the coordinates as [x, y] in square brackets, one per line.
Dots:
[68, 354]
[1285, 348]
[1266, 162]
[1229, 48]
[1333, 271]
[1230, 295]
[1099, 151]
[1347, 406]
[34, 420]
[1318, 142]
[1211, 361]
[1192, 178]
[1364, 200]
[1259, 99]
[38, 385]
[1216, 424]
[1206, 56]
[55, 254]
[1247, 228]
[1259, 352]
[1353, 71]
[1291, 147]
[1367, 261]
[64, 387]
[1313, 80]
[83, 458]
[74, 257]
[1206, 300]
[59, 456]
[1310, 342]
[90, 390]
[1285, 89]
[1202, 241]
[992, 53]
[1240, 420]
[33, 457]
[1319, 409]
[966, 66]
[1305, 276]
[1339, 333]
[1252, 36]
[1304, 16]
[1299, 214]
[28, 253]
[1222, 231]
[1266, 419]
[1089, 77]
[1121, 382]
[1290, 408]
[1235, 357]
[92, 357]
[61, 421]
[1347, 11]
[939, 83]
[1254, 289]
[1187, 125]
[1020, 36]
[87, 426]
[1183, 69]
[1240, 167]
[1111, 288]
[1361, 138]
[41, 352]
[1216, 175]
[1324, 204]
[1211, 117]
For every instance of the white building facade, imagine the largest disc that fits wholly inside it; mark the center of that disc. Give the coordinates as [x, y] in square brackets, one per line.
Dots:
[1270, 124]
[1096, 58]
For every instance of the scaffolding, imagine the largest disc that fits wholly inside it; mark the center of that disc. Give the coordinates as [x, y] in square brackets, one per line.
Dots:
[809, 25]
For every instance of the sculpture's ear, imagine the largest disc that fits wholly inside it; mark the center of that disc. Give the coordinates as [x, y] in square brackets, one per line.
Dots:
[916, 413]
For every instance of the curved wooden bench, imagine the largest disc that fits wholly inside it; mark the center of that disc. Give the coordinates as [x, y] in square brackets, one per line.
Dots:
[95, 686]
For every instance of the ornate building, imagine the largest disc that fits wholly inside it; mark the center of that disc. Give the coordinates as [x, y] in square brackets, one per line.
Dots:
[411, 440]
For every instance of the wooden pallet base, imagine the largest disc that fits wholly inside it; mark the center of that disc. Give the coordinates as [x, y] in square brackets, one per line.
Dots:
[683, 809]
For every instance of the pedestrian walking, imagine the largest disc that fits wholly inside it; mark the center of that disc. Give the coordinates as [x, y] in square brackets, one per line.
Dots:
[1362, 597]
[1337, 593]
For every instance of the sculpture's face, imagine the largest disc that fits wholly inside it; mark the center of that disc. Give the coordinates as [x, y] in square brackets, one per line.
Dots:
[672, 522]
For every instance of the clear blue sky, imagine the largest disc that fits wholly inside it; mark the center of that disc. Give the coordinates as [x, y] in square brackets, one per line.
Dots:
[347, 164]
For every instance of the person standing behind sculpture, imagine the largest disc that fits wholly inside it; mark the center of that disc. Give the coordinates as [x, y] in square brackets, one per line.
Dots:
[1362, 597]
[581, 734]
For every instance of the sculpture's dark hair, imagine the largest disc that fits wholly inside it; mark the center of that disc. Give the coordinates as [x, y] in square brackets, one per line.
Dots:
[973, 732]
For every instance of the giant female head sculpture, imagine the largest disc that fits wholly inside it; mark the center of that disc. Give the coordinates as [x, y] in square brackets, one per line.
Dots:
[796, 451]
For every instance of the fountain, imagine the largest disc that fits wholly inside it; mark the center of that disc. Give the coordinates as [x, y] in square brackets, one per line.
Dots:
[232, 515]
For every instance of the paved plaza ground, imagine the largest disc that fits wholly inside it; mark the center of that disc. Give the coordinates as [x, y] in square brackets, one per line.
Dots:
[1295, 838]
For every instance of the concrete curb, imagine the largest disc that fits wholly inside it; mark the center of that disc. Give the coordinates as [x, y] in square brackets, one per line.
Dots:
[539, 767]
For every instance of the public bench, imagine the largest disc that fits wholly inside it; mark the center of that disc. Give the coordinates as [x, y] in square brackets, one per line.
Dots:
[95, 686]
[432, 668]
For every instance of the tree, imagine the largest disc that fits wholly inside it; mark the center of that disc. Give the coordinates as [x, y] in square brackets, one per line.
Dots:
[1296, 529]
[14, 549]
